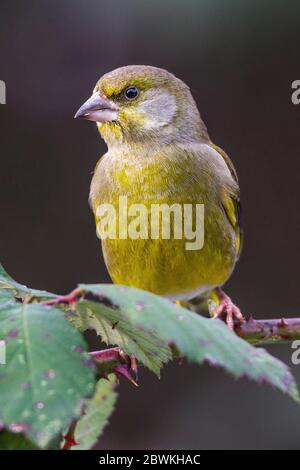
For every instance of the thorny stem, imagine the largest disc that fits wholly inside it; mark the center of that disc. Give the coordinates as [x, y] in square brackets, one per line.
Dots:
[106, 355]
[116, 361]
[70, 298]
[269, 331]
[70, 437]
[251, 330]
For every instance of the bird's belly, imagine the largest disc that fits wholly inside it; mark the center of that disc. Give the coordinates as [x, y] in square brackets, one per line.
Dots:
[165, 266]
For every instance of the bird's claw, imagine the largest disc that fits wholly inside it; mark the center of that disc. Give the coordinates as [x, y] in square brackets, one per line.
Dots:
[227, 310]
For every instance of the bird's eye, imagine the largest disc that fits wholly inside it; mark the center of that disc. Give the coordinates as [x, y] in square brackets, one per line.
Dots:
[131, 93]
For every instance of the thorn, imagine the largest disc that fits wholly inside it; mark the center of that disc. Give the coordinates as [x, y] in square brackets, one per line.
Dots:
[69, 442]
[174, 350]
[70, 437]
[122, 371]
[123, 356]
[282, 323]
[179, 360]
[251, 318]
[134, 367]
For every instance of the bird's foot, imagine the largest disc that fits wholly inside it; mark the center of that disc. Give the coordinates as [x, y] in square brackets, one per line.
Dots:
[227, 310]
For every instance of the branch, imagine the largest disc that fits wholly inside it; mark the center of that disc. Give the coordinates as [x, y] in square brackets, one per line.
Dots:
[68, 299]
[117, 361]
[269, 331]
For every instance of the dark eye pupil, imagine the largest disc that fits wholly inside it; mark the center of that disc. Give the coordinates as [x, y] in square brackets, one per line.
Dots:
[131, 93]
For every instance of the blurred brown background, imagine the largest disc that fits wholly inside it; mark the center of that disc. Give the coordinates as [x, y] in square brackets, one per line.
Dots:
[239, 59]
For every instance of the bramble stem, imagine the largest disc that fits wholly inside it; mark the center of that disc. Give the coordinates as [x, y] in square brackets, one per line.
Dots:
[106, 355]
[70, 298]
[269, 331]
[116, 361]
[70, 437]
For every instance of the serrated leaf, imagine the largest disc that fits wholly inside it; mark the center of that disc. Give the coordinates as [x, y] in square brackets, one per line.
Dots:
[98, 410]
[19, 290]
[114, 329]
[194, 337]
[47, 372]
[10, 441]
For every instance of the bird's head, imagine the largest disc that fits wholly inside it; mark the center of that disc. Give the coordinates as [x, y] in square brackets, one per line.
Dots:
[139, 104]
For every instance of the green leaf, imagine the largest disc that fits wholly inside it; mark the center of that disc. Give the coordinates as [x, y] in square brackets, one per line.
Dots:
[194, 337]
[98, 410]
[47, 372]
[20, 291]
[117, 329]
[10, 441]
[6, 298]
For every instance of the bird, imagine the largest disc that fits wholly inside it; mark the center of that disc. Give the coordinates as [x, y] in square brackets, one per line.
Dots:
[159, 153]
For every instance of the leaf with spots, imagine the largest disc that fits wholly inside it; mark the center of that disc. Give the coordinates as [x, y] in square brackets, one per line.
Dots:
[47, 372]
[6, 298]
[98, 410]
[20, 291]
[197, 338]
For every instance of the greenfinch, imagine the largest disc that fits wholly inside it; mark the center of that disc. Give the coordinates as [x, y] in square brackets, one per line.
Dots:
[160, 153]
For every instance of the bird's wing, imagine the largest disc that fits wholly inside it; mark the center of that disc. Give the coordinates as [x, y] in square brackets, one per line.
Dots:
[231, 202]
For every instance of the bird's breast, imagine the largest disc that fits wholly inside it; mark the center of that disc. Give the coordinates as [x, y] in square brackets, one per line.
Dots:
[177, 176]
[160, 265]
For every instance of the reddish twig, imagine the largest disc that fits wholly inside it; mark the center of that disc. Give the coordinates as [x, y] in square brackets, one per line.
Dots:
[269, 331]
[70, 298]
[114, 360]
[107, 355]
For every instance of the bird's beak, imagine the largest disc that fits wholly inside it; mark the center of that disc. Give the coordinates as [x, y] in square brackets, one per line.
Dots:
[98, 108]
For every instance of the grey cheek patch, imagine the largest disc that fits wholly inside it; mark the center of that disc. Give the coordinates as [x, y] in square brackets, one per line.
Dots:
[158, 109]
